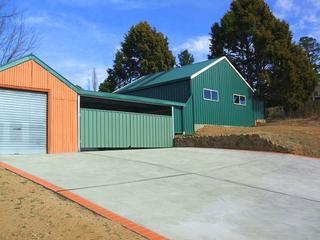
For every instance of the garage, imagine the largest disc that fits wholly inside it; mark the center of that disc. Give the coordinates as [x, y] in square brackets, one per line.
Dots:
[38, 109]
[43, 112]
[23, 122]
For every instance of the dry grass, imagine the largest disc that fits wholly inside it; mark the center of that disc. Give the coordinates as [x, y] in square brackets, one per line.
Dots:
[300, 136]
[29, 211]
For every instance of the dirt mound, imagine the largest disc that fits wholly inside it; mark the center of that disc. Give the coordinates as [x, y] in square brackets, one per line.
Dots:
[299, 136]
[243, 142]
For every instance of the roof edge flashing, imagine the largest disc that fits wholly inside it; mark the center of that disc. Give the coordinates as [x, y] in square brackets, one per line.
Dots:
[206, 68]
[216, 62]
[32, 57]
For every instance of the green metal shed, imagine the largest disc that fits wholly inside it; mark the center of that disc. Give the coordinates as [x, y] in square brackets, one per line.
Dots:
[213, 91]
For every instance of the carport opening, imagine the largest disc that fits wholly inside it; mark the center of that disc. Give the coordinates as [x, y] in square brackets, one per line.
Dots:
[116, 105]
[124, 133]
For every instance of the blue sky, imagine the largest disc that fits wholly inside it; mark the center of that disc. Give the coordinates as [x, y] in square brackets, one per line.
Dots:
[76, 36]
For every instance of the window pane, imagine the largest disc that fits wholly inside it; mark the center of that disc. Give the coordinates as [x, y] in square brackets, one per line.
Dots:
[206, 94]
[236, 99]
[242, 100]
[215, 95]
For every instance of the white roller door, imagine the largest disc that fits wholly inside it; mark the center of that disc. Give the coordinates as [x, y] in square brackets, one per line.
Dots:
[23, 122]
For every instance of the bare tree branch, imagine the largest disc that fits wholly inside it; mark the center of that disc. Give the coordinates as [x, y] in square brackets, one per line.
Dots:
[94, 80]
[16, 39]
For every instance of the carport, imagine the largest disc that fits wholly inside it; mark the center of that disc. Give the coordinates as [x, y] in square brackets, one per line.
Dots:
[120, 121]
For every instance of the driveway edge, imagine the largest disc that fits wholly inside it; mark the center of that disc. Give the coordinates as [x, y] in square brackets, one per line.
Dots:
[88, 204]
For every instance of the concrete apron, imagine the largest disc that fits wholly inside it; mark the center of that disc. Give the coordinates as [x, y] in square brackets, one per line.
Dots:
[192, 193]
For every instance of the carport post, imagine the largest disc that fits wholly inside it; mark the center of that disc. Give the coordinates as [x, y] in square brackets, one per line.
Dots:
[79, 124]
[172, 113]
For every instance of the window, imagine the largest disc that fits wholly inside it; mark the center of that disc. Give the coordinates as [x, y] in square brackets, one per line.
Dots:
[239, 99]
[214, 95]
[210, 95]
[206, 94]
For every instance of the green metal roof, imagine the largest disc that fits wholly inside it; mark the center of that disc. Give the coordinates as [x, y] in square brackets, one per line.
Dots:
[175, 74]
[86, 93]
[128, 98]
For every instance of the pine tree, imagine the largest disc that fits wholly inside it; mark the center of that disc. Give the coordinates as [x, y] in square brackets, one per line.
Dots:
[261, 48]
[312, 48]
[108, 85]
[115, 75]
[143, 51]
[185, 58]
[293, 79]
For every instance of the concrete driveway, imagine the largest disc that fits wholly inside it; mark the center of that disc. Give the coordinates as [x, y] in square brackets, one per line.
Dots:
[193, 193]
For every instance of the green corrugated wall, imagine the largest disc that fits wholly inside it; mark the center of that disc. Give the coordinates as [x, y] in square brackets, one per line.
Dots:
[188, 119]
[224, 79]
[178, 92]
[178, 124]
[258, 109]
[113, 129]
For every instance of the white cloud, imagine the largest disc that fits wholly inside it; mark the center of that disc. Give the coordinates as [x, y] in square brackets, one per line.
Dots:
[285, 7]
[303, 16]
[73, 24]
[46, 20]
[135, 4]
[80, 72]
[198, 46]
[79, 48]
[314, 2]
[36, 19]
[122, 4]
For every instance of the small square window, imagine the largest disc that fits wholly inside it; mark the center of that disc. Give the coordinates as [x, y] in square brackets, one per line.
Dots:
[239, 99]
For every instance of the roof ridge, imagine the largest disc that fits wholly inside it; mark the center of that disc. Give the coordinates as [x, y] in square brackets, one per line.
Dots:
[133, 82]
[149, 78]
[152, 77]
[208, 60]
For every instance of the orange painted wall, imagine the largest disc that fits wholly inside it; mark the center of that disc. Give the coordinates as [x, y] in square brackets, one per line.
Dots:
[62, 103]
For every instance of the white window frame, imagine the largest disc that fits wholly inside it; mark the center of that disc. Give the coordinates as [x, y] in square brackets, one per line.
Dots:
[210, 99]
[239, 104]
[206, 89]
